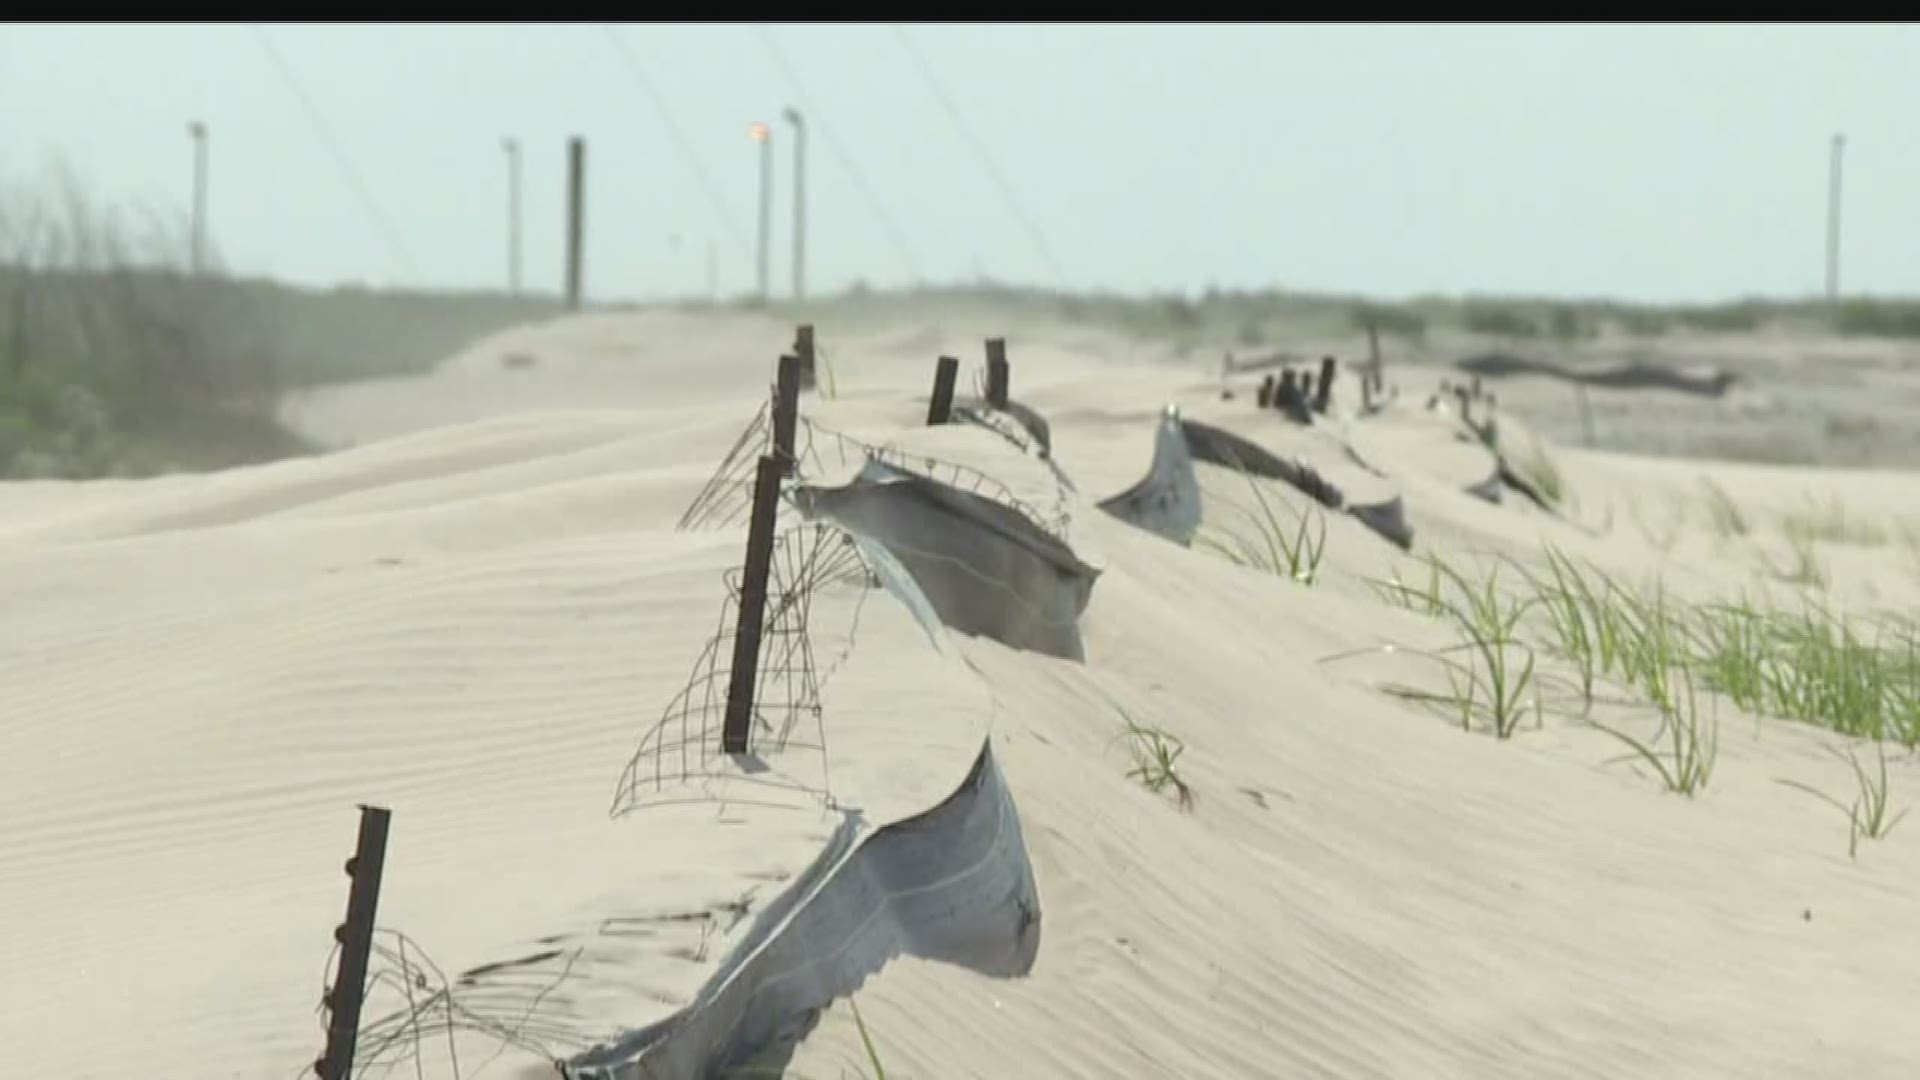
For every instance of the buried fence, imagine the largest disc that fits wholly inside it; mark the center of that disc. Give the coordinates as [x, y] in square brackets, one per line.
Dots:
[961, 560]
[755, 691]
[388, 1000]
[747, 726]
[726, 498]
[952, 885]
[1165, 502]
[762, 651]
[420, 1014]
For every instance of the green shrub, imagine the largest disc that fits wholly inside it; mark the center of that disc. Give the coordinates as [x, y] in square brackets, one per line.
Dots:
[1498, 319]
[1878, 318]
[1393, 320]
[1723, 318]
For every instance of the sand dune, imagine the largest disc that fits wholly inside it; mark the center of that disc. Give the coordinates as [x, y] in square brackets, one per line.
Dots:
[478, 610]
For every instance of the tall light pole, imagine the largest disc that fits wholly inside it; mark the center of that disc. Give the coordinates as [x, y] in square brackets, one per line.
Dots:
[197, 131]
[799, 201]
[1833, 219]
[512, 147]
[763, 135]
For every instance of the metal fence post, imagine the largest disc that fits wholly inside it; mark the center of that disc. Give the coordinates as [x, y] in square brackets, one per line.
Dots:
[786, 408]
[803, 348]
[997, 373]
[753, 604]
[940, 407]
[355, 936]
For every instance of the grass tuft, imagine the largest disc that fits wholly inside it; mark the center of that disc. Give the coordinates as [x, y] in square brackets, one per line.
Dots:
[866, 1041]
[1833, 523]
[1495, 683]
[1539, 467]
[1805, 570]
[1867, 816]
[1686, 763]
[1428, 600]
[1293, 553]
[1724, 514]
[1156, 755]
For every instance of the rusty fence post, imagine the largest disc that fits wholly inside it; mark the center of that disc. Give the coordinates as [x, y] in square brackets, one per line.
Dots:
[1324, 395]
[786, 410]
[803, 348]
[355, 937]
[940, 406]
[753, 606]
[997, 373]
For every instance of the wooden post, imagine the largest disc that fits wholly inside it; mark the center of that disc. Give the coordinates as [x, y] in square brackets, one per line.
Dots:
[19, 329]
[1325, 396]
[753, 607]
[786, 408]
[1264, 396]
[576, 211]
[940, 407]
[1373, 350]
[997, 373]
[355, 936]
[803, 348]
[1288, 386]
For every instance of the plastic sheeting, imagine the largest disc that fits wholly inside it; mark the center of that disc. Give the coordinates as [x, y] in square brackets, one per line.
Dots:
[953, 884]
[1166, 501]
[985, 568]
[1220, 447]
[1026, 416]
[1388, 519]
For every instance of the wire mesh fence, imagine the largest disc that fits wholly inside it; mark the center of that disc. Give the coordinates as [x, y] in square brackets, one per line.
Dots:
[419, 1015]
[820, 451]
[680, 758]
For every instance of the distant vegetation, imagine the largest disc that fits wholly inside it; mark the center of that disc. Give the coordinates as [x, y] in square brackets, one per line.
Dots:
[115, 360]
[1255, 317]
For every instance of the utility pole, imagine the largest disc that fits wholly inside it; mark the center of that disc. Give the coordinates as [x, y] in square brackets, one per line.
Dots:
[763, 135]
[799, 202]
[197, 131]
[576, 209]
[512, 147]
[1833, 219]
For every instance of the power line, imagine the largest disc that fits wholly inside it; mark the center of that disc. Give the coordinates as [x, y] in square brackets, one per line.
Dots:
[367, 202]
[692, 160]
[999, 177]
[895, 235]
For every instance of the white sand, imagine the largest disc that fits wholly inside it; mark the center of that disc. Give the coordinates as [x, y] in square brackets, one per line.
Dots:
[474, 624]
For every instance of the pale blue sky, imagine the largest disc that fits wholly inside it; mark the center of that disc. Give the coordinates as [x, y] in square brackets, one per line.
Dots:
[1645, 162]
